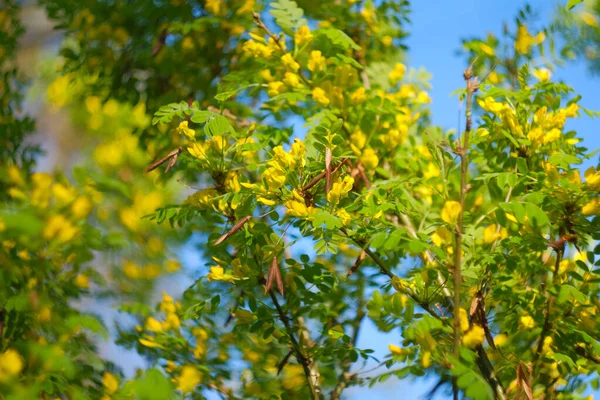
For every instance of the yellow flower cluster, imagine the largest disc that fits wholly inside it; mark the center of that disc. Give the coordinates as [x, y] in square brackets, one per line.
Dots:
[11, 365]
[298, 208]
[397, 73]
[282, 162]
[320, 97]
[257, 49]
[450, 212]
[525, 40]
[303, 36]
[316, 62]
[592, 178]
[188, 379]
[340, 189]
[491, 234]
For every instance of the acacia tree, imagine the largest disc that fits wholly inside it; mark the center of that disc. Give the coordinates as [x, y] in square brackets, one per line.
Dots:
[470, 248]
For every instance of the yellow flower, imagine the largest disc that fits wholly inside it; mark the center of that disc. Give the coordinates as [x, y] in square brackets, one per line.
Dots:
[358, 96]
[153, 325]
[344, 216]
[396, 350]
[82, 281]
[464, 319]
[432, 171]
[487, 49]
[500, 340]
[451, 211]
[426, 360]
[172, 321]
[297, 152]
[441, 236]
[275, 88]
[63, 194]
[303, 36]
[589, 19]
[274, 177]
[526, 322]
[266, 75]
[149, 342]
[490, 234]
[11, 364]
[524, 40]
[340, 189]
[592, 178]
[592, 207]
[291, 79]
[397, 73]
[289, 62]
[369, 159]
[358, 139]
[183, 129]
[319, 96]
[298, 209]
[189, 378]
[386, 40]
[215, 274]
[316, 62]
[265, 201]
[542, 74]
[474, 337]
[81, 207]
[110, 382]
[214, 6]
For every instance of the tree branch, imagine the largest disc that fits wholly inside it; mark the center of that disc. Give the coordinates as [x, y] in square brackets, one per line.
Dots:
[313, 385]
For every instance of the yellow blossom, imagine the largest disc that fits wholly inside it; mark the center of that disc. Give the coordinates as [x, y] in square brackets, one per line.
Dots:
[369, 159]
[386, 40]
[487, 49]
[183, 129]
[214, 7]
[291, 79]
[172, 321]
[149, 342]
[464, 319]
[526, 322]
[592, 207]
[319, 96]
[358, 96]
[215, 274]
[289, 62]
[500, 340]
[441, 236]
[81, 207]
[426, 360]
[432, 171]
[110, 382]
[524, 40]
[153, 325]
[396, 350]
[274, 177]
[344, 216]
[189, 378]
[397, 73]
[358, 139]
[474, 337]
[303, 36]
[450, 212]
[592, 178]
[490, 234]
[11, 364]
[316, 62]
[589, 19]
[275, 88]
[266, 75]
[542, 74]
[340, 189]
[298, 209]
[82, 281]
[265, 201]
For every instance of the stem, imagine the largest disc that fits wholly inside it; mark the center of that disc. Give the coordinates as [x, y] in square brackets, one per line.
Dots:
[344, 377]
[297, 349]
[462, 152]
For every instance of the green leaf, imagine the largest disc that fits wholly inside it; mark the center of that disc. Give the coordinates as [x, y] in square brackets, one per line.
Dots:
[349, 60]
[537, 216]
[201, 116]
[573, 3]
[562, 160]
[152, 386]
[339, 38]
[217, 125]
[88, 322]
[23, 222]
[287, 15]
[165, 114]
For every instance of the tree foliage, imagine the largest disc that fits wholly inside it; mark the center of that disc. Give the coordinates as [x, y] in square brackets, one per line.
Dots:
[291, 147]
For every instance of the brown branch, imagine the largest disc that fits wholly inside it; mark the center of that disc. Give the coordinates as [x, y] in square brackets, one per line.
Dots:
[238, 225]
[317, 178]
[462, 151]
[547, 324]
[297, 349]
[172, 155]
